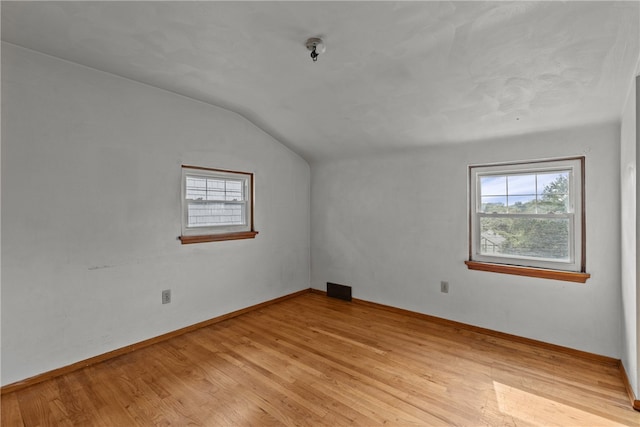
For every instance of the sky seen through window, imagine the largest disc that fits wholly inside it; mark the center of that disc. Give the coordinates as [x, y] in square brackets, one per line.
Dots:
[511, 189]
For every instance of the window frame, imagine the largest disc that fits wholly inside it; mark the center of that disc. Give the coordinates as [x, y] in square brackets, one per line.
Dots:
[213, 233]
[575, 269]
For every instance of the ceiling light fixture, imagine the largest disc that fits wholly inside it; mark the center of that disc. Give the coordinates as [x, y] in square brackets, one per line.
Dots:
[316, 46]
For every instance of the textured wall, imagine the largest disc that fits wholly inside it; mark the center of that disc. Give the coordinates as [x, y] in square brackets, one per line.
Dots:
[629, 254]
[91, 211]
[393, 226]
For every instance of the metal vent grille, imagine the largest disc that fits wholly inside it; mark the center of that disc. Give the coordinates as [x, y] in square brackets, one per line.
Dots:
[335, 290]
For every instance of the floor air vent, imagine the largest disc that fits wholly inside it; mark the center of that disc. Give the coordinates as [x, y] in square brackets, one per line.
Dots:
[339, 291]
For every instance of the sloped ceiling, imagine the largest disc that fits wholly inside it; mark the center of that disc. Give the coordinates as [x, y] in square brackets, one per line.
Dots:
[395, 74]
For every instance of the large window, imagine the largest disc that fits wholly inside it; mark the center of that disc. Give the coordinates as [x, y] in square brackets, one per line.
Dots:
[528, 216]
[216, 205]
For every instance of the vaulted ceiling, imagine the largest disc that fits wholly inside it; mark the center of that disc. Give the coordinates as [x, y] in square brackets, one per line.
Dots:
[395, 74]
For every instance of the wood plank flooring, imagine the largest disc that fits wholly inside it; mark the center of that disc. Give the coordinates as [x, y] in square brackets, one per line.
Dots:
[317, 361]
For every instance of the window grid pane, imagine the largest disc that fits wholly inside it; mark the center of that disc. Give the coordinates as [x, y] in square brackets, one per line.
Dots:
[544, 192]
[207, 214]
[218, 189]
[526, 236]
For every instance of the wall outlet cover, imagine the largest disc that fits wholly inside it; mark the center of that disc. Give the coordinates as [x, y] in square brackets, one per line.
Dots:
[444, 287]
[166, 296]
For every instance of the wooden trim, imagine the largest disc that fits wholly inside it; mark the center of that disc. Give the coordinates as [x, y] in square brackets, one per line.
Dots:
[186, 240]
[528, 162]
[252, 195]
[215, 170]
[583, 229]
[19, 385]
[605, 360]
[471, 209]
[567, 276]
[635, 403]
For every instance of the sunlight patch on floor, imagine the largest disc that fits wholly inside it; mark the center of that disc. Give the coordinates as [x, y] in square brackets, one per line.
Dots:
[542, 411]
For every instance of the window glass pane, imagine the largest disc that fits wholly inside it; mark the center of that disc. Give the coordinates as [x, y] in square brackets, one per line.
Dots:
[215, 189]
[493, 186]
[541, 193]
[494, 204]
[233, 190]
[545, 238]
[557, 205]
[207, 214]
[204, 188]
[196, 188]
[547, 179]
[554, 192]
[521, 185]
[522, 204]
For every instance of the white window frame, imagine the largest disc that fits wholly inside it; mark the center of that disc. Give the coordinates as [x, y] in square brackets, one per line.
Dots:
[245, 230]
[575, 213]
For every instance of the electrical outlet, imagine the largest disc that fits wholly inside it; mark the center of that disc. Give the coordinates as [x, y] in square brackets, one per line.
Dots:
[166, 296]
[444, 287]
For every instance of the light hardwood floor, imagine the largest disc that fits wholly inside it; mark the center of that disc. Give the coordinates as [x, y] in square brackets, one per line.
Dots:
[317, 361]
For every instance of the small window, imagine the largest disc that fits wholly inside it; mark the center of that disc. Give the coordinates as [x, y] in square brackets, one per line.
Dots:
[216, 205]
[528, 215]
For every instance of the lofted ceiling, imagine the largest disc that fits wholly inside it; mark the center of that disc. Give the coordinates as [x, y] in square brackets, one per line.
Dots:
[395, 74]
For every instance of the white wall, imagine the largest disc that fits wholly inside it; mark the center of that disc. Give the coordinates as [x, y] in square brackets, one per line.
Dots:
[394, 225]
[629, 280]
[637, 120]
[91, 212]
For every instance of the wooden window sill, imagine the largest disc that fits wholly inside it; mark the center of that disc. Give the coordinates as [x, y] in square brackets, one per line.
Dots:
[186, 240]
[567, 276]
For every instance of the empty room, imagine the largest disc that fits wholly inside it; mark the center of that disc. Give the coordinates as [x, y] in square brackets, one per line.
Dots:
[320, 213]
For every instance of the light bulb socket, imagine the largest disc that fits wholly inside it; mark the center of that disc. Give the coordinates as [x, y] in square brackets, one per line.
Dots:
[316, 46]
